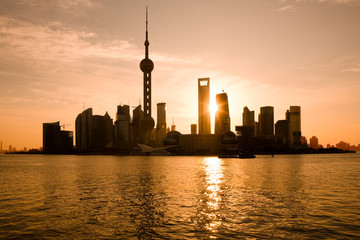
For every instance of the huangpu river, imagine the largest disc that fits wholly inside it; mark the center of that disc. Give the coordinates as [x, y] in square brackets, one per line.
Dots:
[181, 197]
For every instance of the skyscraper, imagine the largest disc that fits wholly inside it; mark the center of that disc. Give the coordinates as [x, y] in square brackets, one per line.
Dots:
[204, 104]
[55, 140]
[248, 129]
[248, 117]
[135, 132]
[51, 138]
[83, 130]
[122, 127]
[161, 124]
[294, 117]
[266, 120]
[102, 132]
[282, 132]
[161, 116]
[146, 65]
[222, 116]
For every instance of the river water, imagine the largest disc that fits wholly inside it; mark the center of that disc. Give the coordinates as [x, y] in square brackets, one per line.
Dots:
[132, 197]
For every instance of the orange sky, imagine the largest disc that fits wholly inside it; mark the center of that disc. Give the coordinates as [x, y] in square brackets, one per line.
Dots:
[57, 55]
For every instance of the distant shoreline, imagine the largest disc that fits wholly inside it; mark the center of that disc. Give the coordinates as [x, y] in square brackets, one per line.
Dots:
[288, 152]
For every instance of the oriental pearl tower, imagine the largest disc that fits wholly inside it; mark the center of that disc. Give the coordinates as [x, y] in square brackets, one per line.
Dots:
[147, 123]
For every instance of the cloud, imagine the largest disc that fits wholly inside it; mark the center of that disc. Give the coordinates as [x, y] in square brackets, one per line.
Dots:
[293, 5]
[352, 69]
[23, 8]
[288, 8]
[57, 42]
[324, 1]
[339, 1]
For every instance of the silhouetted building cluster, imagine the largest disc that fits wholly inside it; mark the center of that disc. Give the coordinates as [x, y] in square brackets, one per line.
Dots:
[253, 136]
[93, 132]
[347, 146]
[260, 136]
[101, 134]
[223, 141]
[96, 133]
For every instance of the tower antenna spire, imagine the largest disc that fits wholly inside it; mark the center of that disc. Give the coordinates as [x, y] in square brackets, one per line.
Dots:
[146, 20]
[146, 36]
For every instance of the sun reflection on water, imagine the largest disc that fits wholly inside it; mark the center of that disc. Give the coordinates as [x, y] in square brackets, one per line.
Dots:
[214, 177]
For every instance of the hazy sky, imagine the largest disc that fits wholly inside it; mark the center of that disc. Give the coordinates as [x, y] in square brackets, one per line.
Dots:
[58, 55]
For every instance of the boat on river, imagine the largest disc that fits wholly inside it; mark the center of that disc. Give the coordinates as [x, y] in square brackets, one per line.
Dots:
[240, 155]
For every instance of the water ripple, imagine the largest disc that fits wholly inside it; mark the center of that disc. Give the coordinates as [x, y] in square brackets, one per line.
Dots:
[108, 197]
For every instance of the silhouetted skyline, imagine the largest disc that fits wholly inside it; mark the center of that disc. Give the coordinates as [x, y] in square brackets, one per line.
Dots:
[58, 58]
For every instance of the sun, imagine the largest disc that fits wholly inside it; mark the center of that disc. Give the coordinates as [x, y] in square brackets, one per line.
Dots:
[213, 108]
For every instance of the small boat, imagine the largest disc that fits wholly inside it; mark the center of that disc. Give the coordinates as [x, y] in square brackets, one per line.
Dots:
[227, 156]
[240, 155]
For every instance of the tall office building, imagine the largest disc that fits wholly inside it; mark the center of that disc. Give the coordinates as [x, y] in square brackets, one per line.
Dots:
[123, 113]
[161, 116]
[161, 124]
[83, 130]
[222, 116]
[55, 140]
[294, 117]
[102, 132]
[122, 127]
[204, 105]
[146, 65]
[248, 117]
[135, 132]
[266, 121]
[282, 132]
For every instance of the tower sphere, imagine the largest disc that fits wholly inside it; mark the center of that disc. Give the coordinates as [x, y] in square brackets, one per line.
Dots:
[147, 122]
[146, 65]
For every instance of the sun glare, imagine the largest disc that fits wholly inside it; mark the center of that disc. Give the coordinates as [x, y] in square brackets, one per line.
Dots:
[213, 108]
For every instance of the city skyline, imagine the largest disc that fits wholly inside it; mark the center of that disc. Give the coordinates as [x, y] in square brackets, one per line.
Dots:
[80, 52]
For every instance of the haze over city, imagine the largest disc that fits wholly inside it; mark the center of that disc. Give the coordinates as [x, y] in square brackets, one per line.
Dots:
[58, 57]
